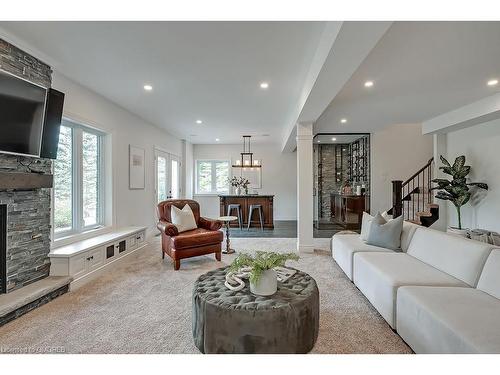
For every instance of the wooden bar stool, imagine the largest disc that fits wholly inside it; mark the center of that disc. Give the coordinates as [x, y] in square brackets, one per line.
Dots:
[257, 207]
[237, 207]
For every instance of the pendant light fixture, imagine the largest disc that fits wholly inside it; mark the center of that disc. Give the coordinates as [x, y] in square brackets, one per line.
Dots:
[247, 160]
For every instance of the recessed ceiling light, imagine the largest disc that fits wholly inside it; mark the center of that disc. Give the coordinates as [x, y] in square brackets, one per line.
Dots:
[217, 139]
[199, 122]
[343, 121]
[264, 85]
[334, 139]
[319, 141]
[148, 87]
[368, 83]
[492, 82]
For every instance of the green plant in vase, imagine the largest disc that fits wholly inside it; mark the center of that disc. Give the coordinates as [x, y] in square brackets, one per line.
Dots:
[456, 190]
[263, 278]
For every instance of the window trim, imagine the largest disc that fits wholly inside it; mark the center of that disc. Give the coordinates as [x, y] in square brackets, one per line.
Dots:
[214, 177]
[78, 227]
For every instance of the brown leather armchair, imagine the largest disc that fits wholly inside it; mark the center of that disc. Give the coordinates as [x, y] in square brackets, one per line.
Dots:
[205, 239]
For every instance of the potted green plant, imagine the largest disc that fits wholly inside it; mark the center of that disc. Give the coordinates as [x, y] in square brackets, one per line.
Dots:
[456, 190]
[263, 278]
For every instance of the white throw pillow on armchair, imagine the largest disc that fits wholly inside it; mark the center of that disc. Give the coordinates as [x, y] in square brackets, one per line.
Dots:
[183, 219]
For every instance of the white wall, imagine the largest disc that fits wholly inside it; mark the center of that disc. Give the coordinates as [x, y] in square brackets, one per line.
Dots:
[397, 151]
[130, 207]
[481, 146]
[187, 169]
[279, 176]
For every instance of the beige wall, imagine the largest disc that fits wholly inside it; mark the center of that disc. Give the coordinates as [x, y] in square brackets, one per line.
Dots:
[397, 151]
[129, 207]
[481, 146]
[279, 176]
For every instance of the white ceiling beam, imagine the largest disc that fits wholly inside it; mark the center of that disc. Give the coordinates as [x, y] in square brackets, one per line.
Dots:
[350, 43]
[325, 44]
[483, 110]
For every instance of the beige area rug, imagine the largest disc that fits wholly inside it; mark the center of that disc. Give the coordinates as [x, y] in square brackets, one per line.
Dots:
[143, 306]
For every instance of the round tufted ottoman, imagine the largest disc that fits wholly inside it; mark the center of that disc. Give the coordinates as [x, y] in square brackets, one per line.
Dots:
[240, 322]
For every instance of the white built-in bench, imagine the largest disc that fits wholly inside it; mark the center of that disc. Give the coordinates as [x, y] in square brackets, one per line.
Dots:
[88, 258]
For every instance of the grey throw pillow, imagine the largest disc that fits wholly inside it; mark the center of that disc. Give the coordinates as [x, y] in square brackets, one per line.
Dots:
[385, 233]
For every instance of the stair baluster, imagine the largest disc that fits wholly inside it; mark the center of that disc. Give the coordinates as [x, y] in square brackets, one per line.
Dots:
[413, 199]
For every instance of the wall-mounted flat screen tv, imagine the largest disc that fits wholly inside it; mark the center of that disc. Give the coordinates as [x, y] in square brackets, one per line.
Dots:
[22, 111]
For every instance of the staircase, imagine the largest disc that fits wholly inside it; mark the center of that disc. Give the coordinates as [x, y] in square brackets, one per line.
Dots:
[413, 199]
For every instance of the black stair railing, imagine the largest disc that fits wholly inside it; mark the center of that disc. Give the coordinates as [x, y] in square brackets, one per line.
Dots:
[413, 195]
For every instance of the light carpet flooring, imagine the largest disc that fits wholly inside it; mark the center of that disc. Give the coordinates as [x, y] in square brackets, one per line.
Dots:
[143, 306]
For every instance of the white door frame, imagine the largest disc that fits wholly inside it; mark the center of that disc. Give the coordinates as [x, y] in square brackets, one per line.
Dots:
[172, 158]
[169, 157]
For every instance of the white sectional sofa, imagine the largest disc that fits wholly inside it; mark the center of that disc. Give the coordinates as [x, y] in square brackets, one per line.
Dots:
[441, 293]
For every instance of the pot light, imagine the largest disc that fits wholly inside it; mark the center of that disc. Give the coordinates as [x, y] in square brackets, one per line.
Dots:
[343, 121]
[492, 82]
[199, 122]
[148, 87]
[217, 139]
[368, 83]
[334, 139]
[264, 85]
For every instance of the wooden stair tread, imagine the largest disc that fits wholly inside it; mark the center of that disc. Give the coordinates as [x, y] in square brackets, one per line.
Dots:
[424, 213]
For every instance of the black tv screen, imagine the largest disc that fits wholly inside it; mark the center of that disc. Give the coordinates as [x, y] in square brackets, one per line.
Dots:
[22, 111]
[52, 124]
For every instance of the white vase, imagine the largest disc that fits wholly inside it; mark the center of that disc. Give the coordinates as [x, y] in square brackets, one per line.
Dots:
[238, 191]
[267, 284]
[457, 232]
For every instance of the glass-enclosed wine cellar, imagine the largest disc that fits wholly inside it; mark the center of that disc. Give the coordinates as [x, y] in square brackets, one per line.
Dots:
[341, 180]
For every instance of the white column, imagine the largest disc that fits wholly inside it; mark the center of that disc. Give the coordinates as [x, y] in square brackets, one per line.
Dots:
[305, 188]
[440, 148]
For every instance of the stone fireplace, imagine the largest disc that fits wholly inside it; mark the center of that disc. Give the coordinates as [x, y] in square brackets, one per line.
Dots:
[24, 209]
[25, 231]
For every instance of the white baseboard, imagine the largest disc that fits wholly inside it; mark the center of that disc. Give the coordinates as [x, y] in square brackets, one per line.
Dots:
[302, 248]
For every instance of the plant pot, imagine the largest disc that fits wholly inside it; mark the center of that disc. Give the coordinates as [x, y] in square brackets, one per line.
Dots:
[457, 232]
[238, 191]
[267, 284]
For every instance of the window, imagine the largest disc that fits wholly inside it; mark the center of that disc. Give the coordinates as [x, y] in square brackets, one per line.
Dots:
[212, 176]
[78, 182]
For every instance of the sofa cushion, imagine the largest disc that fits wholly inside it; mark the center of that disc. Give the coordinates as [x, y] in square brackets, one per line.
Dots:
[489, 281]
[448, 320]
[385, 233]
[457, 256]
[197, 237]
[345, 245]
[379, 275]
[407, 234]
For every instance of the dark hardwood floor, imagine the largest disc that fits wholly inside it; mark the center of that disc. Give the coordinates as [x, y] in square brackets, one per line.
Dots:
[282, 229]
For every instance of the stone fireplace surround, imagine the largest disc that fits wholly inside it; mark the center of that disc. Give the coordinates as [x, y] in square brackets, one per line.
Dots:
[27, 237]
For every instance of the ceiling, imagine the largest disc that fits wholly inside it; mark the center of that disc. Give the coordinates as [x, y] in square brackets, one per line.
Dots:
[211, 71]
[207, 71]
[339, 138]
[419, 70]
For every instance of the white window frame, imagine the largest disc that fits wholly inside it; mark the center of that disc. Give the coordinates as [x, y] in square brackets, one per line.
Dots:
[214, 176]
[78, 226]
